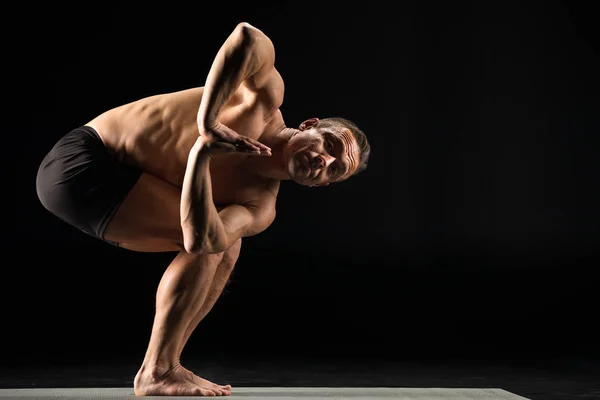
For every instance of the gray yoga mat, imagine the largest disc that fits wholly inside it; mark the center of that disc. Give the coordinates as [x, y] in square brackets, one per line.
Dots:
[278, 393]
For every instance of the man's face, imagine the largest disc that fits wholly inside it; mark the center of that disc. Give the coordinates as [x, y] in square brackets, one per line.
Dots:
[317, 156]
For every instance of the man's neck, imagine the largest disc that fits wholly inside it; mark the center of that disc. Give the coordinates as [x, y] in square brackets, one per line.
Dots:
[273, 166]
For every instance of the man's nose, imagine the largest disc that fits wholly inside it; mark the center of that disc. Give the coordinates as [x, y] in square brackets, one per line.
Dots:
[328, 159]
[322, 160]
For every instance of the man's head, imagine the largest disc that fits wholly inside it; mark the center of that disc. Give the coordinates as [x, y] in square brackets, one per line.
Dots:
[325, 151]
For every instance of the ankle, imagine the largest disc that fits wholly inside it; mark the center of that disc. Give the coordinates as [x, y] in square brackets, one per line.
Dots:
[158, 369]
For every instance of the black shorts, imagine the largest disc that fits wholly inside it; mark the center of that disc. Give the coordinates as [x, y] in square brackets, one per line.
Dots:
[82, 183]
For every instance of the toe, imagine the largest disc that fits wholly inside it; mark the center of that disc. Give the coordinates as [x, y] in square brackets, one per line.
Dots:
[207, 392]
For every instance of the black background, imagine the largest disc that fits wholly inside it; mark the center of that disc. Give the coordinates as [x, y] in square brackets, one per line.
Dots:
[474, 232]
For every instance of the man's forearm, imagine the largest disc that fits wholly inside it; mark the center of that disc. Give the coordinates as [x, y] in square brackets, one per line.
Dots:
[200, 221]
[236, 60]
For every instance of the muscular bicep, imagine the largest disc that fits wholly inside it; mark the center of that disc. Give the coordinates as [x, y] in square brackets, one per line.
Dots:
[265, 82]
[262, 54]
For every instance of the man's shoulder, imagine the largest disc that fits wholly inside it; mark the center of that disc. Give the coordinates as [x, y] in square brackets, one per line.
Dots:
[264, 202]
[265, 197]
[270, 92]
[263, 211]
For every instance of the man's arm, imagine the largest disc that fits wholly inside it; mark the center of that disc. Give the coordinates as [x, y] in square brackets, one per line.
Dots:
[247, 54]
[204, 228]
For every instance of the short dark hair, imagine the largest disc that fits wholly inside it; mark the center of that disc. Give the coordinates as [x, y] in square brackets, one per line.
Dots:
[359, 136]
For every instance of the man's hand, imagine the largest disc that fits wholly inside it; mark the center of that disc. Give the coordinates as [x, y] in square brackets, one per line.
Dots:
[219, 138]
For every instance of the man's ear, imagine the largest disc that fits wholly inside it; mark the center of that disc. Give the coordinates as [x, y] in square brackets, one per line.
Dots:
[309, 123]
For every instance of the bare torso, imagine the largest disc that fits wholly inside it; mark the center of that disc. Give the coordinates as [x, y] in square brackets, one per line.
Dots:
[156, 134]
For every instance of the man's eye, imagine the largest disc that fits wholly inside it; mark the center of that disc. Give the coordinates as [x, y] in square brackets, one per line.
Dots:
[329, 147]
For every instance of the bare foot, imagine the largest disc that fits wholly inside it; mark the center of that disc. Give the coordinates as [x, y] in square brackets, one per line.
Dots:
[170, 382]
[218, 389]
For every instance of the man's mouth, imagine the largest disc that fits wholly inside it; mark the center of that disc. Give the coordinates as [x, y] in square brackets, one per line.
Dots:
[304, 164]
[309, 170]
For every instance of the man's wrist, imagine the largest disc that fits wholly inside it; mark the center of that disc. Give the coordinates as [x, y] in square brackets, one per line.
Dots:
[206, 123]
[202, 145]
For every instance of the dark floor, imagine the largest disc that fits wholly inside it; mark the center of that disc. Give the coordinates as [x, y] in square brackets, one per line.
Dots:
[558, 379]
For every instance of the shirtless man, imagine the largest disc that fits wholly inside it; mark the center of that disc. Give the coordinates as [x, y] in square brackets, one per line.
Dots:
[194, 171]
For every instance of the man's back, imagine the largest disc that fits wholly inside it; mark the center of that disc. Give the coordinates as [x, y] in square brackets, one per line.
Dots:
[156, 133]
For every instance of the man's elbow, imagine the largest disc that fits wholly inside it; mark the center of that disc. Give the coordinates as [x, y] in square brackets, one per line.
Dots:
[244, 35]
[250, 36]
[247, 30]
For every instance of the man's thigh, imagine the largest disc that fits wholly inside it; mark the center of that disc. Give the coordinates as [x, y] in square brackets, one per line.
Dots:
[148, 219]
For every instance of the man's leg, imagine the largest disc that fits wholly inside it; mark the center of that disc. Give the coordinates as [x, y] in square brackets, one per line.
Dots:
[149, 220]
[182, 290]
[221, 278]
